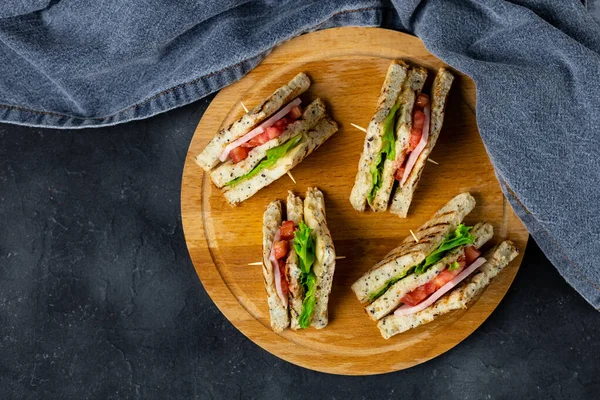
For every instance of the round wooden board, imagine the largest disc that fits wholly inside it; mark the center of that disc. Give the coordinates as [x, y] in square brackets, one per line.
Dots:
[347, 67]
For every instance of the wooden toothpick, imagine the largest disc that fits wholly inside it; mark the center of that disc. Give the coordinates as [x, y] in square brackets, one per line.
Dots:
[360, 128]
[244, 107]
[414, 236]
[256, 263]
[340, 257]
[433, 162]
[291, 177]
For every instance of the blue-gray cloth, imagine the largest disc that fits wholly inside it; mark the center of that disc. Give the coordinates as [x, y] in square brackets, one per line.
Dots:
[536, 64]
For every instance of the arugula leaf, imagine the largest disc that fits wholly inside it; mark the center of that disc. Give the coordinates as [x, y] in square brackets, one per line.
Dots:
[388, 151]
[458, 238]
[304, 246]
[273, 155]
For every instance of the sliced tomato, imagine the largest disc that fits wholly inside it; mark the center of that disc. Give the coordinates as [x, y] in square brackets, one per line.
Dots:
[471, 254]
[238, 154]
[295, 113]
[446, 276]
[285, 288]
[280, 249]
[286, 232]
[272, 132]
[281, 124]
[257, 140]
[418, 119]
[416, 296]
[422, 100]
[415, 138]
[400, 173]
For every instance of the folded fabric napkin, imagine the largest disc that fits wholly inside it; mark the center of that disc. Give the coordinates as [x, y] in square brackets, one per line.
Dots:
[75, 64]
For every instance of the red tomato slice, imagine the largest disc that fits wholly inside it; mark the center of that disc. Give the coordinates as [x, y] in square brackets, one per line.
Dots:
[415, 138]
[257, 140]
[285, 289]
[295, 113]
[418, 120]
[286, 232]
[445, 277]
[238, 154]
[471, 254]
[416, 296]
[280, 249]
[400, 173]
[281, 124]
[272, 132]
[422, 100]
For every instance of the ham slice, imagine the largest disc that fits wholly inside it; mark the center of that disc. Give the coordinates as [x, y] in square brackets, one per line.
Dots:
[259, 129]
[276, 273]
[414, 155]
[407, 310]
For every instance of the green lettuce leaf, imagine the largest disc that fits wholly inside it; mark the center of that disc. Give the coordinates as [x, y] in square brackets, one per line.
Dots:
[459, 237]
[388, 151]
[453, 266]
[304, 246]
[273, 155]
[309, 282]
[375, 295]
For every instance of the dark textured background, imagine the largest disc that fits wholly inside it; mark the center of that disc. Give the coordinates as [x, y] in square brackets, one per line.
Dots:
[98, 298]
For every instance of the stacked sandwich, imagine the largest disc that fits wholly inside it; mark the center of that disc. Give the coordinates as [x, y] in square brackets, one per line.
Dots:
[399, 138]
[298, 262]
[266, 142]
[433, 271]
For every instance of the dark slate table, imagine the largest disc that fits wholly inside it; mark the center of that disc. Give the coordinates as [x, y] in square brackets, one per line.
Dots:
[99, 299]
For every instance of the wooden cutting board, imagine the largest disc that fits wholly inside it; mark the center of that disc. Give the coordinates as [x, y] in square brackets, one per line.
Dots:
[347, 67]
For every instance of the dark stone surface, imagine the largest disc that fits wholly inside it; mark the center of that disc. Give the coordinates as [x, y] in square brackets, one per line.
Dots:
[99, 300]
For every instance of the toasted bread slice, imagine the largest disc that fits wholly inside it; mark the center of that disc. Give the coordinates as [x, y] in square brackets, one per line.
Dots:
[411, 88]
[324, 266]
[295, 213]
[209, 158]
[439, 94]
[277, 310]
[497, 259]
[390, 91]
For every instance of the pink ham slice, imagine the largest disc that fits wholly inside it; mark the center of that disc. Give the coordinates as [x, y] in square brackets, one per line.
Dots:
[259, 129]
[407, 310]
[414, 155]
[276, 273]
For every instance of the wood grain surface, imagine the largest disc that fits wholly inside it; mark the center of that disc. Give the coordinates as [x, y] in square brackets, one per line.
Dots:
[347, 67]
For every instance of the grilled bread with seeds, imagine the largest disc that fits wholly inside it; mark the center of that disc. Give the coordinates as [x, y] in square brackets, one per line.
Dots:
[410, 253]
[390, 91]
[277, 310]
[411, 88]
[404, 194]
[309, 142]
[496, 260]
[295, 213]
[324, 266]
[390, 300]
[209, 158]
